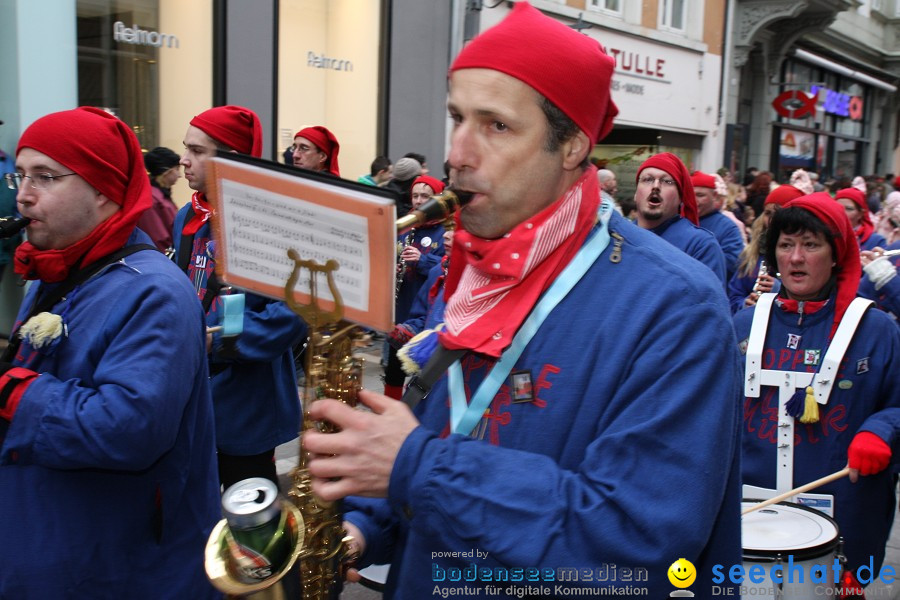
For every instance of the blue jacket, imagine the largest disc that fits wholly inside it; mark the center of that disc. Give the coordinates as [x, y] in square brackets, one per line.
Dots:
[866, 397]
[729, 237]
[430, 242]
[108, 481]
[695, 242]
[254, 382]
[427, 313]
[628, 456]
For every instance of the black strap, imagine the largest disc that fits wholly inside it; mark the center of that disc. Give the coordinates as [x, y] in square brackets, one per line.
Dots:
[186, 247]
[44, 303]
[420, 385]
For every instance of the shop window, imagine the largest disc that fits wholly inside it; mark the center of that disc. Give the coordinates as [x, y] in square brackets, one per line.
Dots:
[118, 62]
[672, 15]
[607, 6]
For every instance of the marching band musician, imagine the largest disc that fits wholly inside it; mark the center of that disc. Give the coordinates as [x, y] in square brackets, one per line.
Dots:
[815, 249]
[753, 277]
[620, 449]
[417, 252]
[253, 376]
[108, 484]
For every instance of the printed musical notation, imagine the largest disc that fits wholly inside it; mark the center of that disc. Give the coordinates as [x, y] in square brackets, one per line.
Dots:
[261, 227]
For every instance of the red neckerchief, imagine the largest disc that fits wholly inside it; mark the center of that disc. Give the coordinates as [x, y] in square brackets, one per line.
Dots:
[439, 282]
[493, 284]
[201, 214]
[809, 306]
[52, 266]
[864, 232]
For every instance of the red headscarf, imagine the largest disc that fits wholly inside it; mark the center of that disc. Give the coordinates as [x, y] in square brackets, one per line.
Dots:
[865, 229]
[327, 143]
[526, 43]
[701, 179]
[782, 195]
[849, 268]
[104, 152]
[672, 165]
[435, 184]
[233, 126]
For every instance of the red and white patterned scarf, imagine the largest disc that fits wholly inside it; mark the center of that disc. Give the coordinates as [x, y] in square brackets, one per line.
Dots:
[493, 284]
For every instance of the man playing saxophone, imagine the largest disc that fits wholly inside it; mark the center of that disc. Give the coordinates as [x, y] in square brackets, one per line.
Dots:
[614, 446]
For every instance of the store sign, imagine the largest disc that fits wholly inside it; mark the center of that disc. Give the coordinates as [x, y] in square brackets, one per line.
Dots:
[638, 63]
[320, 61]
[840, 104]
[794, 104]
[141, 37]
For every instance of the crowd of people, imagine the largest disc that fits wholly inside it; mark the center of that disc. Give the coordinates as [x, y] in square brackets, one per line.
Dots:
[595, 378]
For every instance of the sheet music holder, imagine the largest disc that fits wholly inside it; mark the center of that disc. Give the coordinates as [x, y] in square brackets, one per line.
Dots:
[261, 209]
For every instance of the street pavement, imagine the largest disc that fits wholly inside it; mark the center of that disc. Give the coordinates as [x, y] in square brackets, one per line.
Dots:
[286, 460]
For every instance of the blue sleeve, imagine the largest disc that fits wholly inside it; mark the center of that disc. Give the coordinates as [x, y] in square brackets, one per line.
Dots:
[710, 254]
[739, 287]
[421, 305]
[885, 422]
[732, 244]
[378, 525]
[270, 330]
[119, 402]
[456, 491]
[888, 297]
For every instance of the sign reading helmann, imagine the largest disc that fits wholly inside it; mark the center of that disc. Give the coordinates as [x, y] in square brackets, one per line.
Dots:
[142, 37]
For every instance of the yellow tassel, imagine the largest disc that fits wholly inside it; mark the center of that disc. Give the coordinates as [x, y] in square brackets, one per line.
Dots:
[810, 408]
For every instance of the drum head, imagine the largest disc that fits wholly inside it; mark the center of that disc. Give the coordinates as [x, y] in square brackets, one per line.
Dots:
[787, 528]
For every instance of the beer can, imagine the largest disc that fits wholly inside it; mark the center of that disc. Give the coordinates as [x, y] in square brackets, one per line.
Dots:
[258, 541]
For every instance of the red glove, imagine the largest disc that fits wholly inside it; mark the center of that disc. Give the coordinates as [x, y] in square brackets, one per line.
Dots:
[868, 453]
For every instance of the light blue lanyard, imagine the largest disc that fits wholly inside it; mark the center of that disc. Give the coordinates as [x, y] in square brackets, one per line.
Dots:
[464, 416]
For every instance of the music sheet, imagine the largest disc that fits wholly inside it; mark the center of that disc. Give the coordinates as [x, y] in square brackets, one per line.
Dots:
[261, 213]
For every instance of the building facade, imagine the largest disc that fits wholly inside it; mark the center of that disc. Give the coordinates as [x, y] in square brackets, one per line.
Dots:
[813, 85]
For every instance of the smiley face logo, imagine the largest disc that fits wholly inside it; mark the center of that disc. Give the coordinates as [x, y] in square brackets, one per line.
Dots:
[682, 573]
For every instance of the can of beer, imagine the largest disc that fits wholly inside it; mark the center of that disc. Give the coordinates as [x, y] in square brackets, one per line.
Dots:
[258, 541]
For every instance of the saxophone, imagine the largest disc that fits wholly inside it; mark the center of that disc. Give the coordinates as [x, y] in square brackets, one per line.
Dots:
[320, 546]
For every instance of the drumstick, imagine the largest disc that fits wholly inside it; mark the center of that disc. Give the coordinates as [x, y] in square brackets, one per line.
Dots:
[803, 488]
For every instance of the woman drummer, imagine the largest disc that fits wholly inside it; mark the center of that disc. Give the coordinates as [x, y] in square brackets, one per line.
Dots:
[814, 247]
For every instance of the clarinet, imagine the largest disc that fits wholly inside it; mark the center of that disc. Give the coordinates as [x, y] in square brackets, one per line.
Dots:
[10, 226]
[763, 270]
[401, 266]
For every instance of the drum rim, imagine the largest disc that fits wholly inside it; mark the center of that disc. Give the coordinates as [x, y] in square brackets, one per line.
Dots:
[758, 555]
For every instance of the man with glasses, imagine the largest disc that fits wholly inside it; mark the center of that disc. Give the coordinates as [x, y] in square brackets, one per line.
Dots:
[666, 205]
[107, 443]
[316, 149]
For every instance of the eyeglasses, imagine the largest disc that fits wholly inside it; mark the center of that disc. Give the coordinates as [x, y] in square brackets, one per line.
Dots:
[663, 181]
[39, 181]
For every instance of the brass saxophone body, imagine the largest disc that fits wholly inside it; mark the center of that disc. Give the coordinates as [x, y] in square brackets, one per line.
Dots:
[320, 547]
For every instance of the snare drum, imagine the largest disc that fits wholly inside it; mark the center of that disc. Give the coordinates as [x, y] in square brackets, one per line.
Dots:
[374, 576]
[772, 534]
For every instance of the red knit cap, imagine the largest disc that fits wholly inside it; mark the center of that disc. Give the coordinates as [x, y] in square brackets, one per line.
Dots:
[566, 67]
[326, 142]
[672, 165]
[103, 151]
[233, 126]
[782, 195]
[435, 184]
[859, 199]
[700, 179]
[849, 269]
